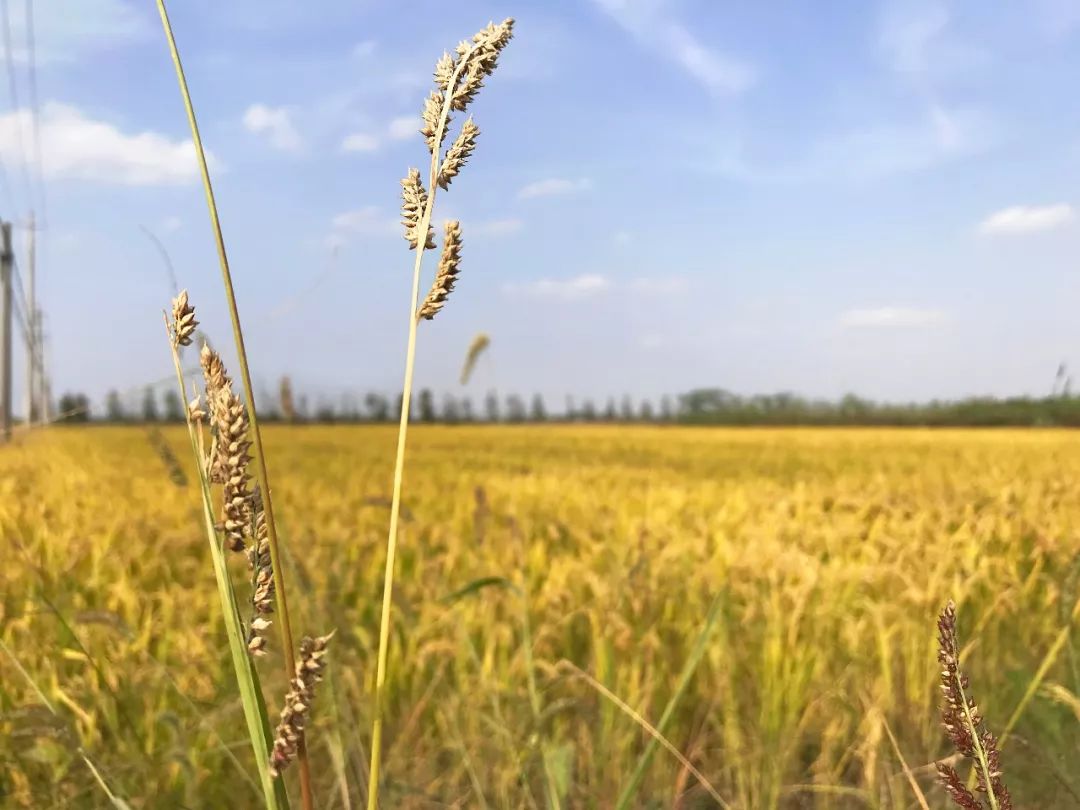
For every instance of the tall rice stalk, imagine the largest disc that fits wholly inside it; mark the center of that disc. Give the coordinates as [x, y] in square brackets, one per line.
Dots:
[458, 78]
[245, 375]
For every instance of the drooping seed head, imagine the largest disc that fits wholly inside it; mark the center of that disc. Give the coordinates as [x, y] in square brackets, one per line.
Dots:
[414, 199]
[481, 60]
[458, 153]
[297, 709]
[447, 274]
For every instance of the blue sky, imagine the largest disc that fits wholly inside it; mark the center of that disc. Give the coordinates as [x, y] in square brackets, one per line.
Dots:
[870, 196]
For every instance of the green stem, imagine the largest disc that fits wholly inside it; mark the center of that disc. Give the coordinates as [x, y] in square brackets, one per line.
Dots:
[245, 375]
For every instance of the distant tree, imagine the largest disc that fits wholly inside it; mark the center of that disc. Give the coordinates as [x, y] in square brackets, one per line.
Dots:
[667, 412]
[467, 414]
[74, 408]
[538, 413]
[324, 412]
[399, 405]
[426, 406]
[451, 412]
[515, 408]
[114, 407]
[626, 409]
[174, 408]
[571, 411]
[302, 411]
[647, 414]
[609, 410]
[491, 406]
[149, 405]
[588, 411]
[378, 409]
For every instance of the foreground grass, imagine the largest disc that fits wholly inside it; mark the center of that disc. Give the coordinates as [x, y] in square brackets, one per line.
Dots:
[831, 552]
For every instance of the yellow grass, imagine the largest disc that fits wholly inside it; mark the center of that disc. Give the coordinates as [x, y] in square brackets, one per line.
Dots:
[833, 551]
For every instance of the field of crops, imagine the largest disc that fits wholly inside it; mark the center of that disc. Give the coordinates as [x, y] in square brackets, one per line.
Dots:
[816, 560]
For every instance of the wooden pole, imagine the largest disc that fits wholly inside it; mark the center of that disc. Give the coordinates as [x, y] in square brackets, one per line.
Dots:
[32, 407]
[6, 260]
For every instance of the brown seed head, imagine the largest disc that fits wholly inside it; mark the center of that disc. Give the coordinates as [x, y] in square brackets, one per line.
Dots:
[480, 61]
[297, 709]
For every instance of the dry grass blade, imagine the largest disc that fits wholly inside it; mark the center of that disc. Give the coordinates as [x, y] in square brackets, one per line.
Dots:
[919, 795]
[649, 729]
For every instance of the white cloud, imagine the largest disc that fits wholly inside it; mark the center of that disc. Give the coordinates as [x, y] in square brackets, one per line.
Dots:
[75, 147]
[360, 142]
[907, 32]
[403, 127]
[1019, 219]
[583, 286]
[553, 186]
[652, 26]
[276, 123]
[890, 317]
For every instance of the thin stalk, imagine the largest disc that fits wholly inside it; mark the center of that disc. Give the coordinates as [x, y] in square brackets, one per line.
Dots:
[245, 375]
[247, 678]
[685, 677]
[399, 459]
[113, 798]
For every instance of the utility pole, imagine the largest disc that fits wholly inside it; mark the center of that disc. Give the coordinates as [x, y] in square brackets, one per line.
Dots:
[6, 259]
[33, 407]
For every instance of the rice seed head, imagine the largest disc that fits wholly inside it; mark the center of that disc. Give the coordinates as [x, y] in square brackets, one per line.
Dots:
[183, 320]
[481, 60]
[964, 724]
[229, 422]
[458, 153]
[297, 709]
[195, 411]
[447, 274]
[414, 199]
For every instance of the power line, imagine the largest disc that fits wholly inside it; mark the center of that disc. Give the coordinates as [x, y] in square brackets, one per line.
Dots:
[13, 90]
[35, 110]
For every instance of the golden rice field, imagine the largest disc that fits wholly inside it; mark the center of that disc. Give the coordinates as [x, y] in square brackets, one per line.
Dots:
[829, 554]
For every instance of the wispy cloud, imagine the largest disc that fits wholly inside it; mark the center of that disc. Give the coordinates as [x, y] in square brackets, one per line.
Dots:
[77, 147]
[369, 220]
[360, 142]
[1021, 219]
[871, 152]
[362, 50]
[891, 317]
[171, 224]
[276, 124]
[403, 127]
[553, 186]
[399, 129]
[569, 289]
[660, 285]
[495, 227]
[69, 32]
[654, 26]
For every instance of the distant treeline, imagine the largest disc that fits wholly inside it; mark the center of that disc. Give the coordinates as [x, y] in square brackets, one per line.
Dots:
[707, 406]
